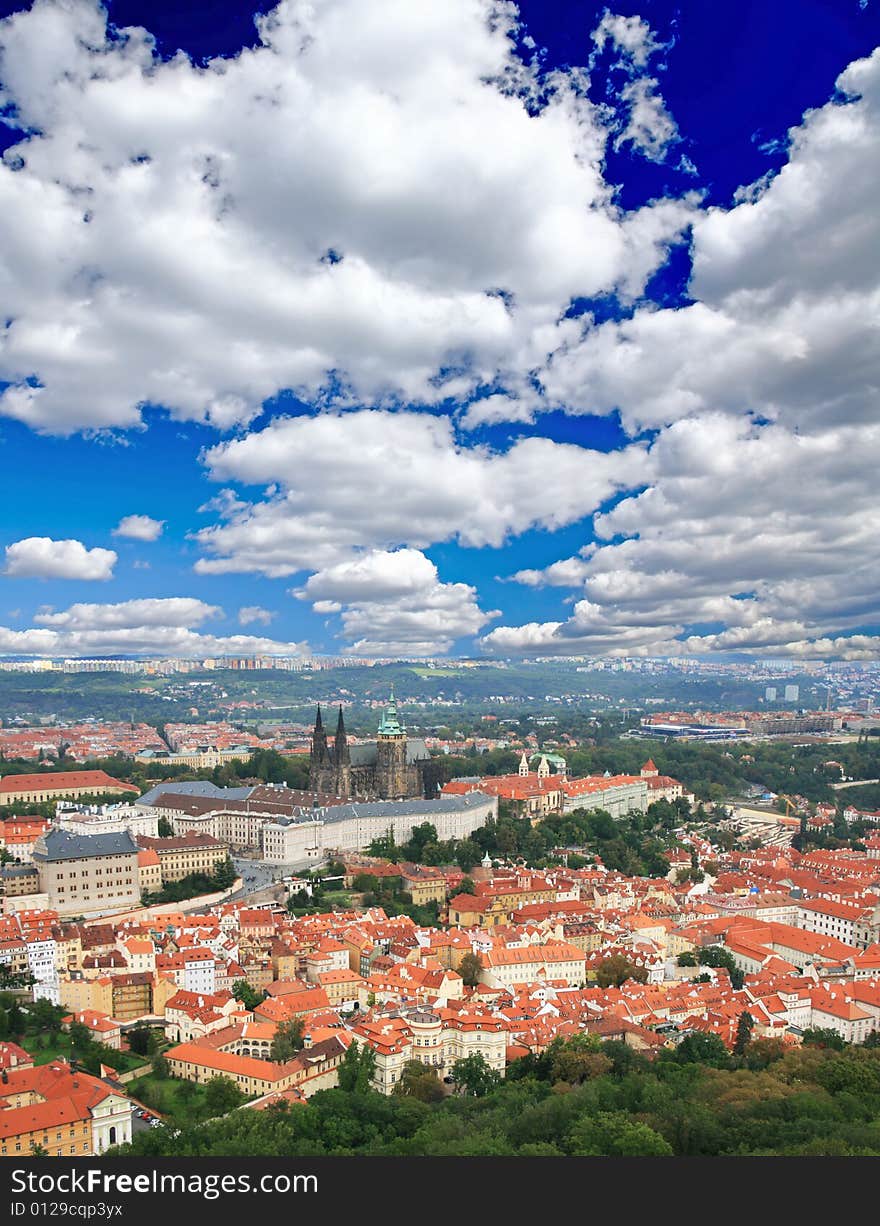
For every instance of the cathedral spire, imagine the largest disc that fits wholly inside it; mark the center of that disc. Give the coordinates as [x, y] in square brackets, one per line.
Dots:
[341, 743]
[390, 725]
[319, 740]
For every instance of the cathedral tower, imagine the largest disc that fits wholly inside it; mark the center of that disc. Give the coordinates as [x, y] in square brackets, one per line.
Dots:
[391, 768]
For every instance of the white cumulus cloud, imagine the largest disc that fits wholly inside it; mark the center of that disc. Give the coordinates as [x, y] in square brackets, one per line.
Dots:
[161, 626]
[341, 483]
[249, 614]
[139, 528]
[787, 318]
[41, 557]
[384, 191]
[392, 603]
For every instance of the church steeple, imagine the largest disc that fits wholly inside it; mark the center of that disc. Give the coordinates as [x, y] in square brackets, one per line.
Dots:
[319, 741]
[390, 725]
[342, 755]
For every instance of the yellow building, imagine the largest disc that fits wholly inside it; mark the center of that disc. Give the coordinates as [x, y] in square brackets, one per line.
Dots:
[58, 785]
[63, 1112]
[468, 911]
[78, 994]
[184, 854]
[149, 871]
[423, 885]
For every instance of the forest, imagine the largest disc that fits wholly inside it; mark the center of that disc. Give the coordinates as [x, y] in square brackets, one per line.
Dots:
[580, 1097]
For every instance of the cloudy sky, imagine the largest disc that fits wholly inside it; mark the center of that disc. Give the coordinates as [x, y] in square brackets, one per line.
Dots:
[400, 328]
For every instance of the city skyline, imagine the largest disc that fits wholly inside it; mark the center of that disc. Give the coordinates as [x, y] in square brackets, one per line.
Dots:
[562, 345]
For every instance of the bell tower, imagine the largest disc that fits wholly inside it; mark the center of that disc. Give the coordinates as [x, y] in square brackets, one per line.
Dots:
[391, 769]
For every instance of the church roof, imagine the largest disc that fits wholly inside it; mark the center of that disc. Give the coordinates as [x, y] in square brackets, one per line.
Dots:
[367, 754]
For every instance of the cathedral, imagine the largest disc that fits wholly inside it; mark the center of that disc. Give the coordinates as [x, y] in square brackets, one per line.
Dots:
[392, 767]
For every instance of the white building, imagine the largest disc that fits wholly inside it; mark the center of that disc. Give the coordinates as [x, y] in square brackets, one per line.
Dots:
[351, 827]
[852, 923]
[199, 972]
[107, 819]
[435, 1037]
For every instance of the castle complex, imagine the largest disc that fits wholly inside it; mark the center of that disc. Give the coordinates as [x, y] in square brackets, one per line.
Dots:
[390, 768]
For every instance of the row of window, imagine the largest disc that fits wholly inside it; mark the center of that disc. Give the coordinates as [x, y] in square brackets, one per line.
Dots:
[99, 872]
[99, 890]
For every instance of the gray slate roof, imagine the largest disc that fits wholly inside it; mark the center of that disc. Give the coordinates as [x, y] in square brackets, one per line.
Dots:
[391, 808]
[58, 844]
[196, 787]
[368, 753]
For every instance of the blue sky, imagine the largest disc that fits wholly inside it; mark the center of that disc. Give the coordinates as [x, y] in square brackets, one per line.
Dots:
[553, 336]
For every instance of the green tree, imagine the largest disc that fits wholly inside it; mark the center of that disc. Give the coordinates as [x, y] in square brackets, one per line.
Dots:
[612, 1134]
[356, 1068]
[138, 1039]
[81, 1038]
[743, 1033]
[469, 968]
[419, 1081]
[248, 996]
[467, 855]
[43, 1017]
[817, 1036]
[699, 1048]
[288, 1040]
[222, 1095]
[578, 1059]
[224, 874]
[473, 1076]
[616, 969]
[717, 956]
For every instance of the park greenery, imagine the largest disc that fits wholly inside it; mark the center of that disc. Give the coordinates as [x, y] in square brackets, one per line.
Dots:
[389, 893]
[193, 884]
[184, 1103]
[635, 844]
[37, 1027]
[579, 1097]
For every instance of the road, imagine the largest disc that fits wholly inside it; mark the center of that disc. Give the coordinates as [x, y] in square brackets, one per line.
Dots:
[259, 881]
[255, 875]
